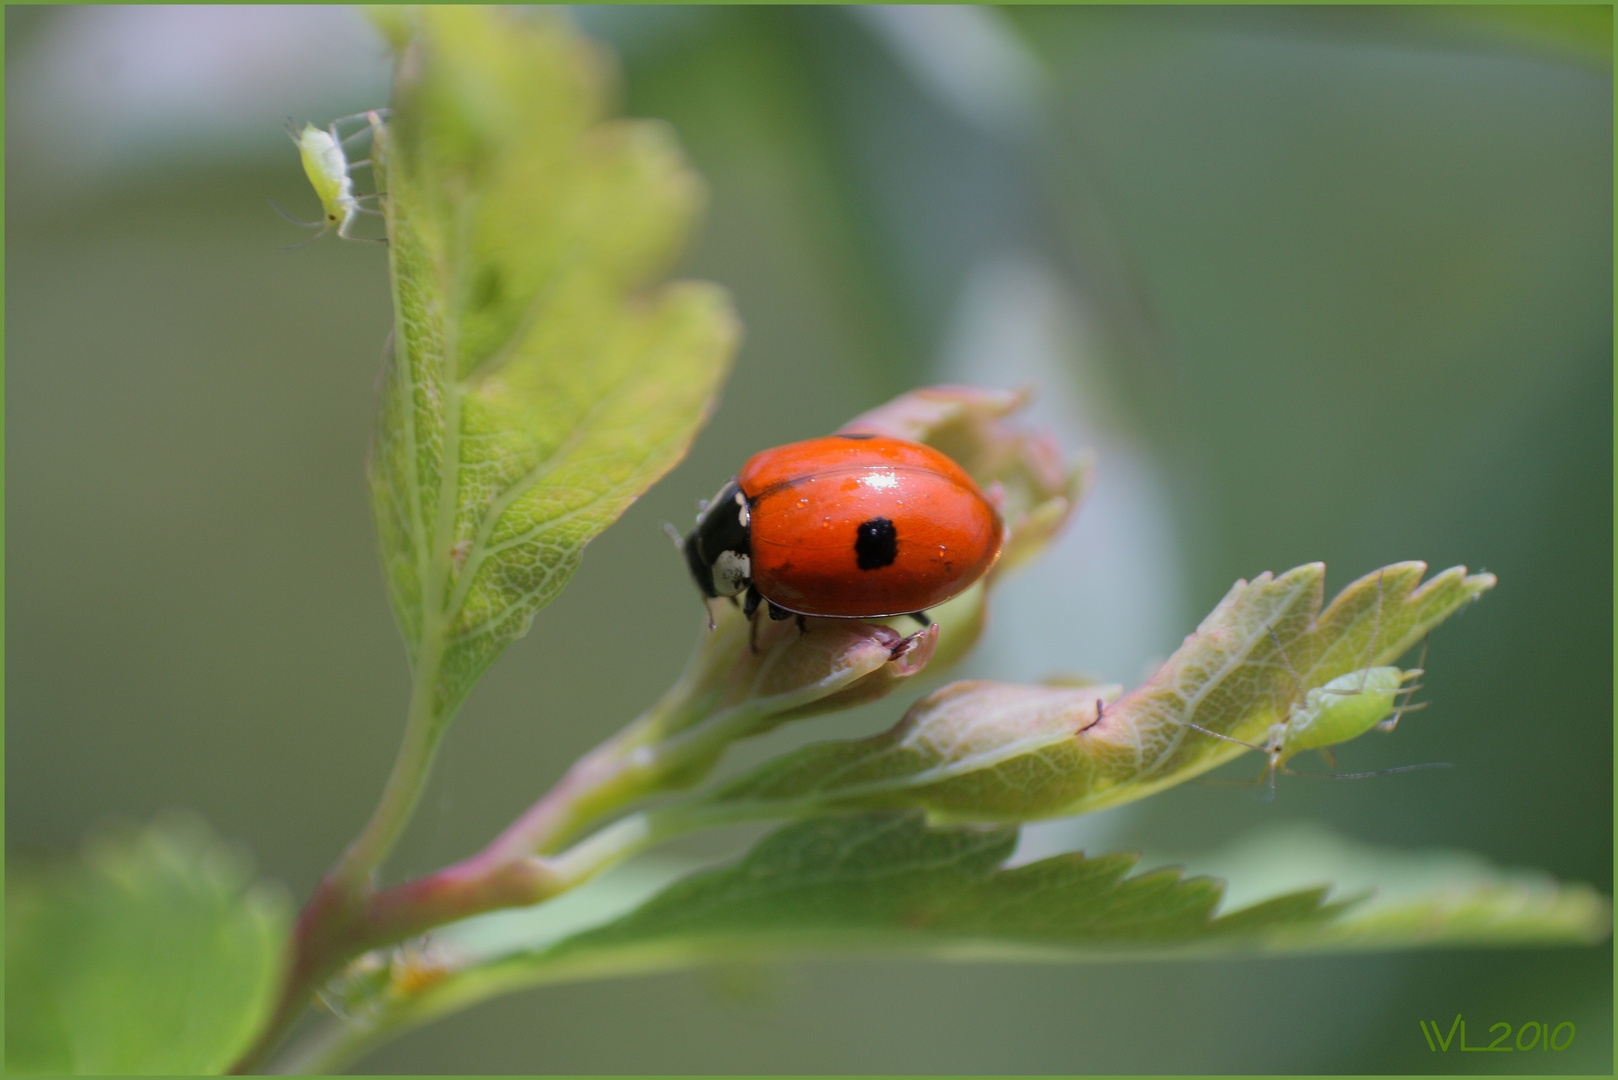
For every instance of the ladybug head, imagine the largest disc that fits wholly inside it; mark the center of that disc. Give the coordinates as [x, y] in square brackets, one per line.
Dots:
[719, 550]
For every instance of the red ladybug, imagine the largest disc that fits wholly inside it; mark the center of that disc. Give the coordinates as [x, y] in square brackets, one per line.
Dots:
[851, 526]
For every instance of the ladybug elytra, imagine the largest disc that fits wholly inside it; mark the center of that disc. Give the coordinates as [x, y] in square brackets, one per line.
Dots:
[848, 526]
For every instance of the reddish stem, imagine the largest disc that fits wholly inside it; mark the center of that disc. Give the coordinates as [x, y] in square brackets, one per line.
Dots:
[336, 926]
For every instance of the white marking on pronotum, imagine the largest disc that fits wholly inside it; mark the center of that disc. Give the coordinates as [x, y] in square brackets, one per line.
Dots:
[731, 572]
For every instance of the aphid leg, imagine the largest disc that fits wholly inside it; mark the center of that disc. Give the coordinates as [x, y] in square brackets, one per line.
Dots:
[1393, 721]
[1409, 692]
[1327, 755]
[1263, 778]
[1229, 781]
[344, 140]
[367, 114]
[342, 230]
[305, 243]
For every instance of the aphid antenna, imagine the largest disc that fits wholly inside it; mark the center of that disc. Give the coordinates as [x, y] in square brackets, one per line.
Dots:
[1369, 660]
[303, 244]
[306, 224]
[674, 534]
[1297, 683]
[1376, 630]
[1227, 738]
[1368, 775]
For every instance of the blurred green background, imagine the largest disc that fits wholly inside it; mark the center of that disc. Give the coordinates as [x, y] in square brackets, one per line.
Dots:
[1325, 283]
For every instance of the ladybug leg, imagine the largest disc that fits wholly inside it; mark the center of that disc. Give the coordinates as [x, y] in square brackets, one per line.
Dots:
[921, 617]
[778, 613]
[749, 609]
[803, 625]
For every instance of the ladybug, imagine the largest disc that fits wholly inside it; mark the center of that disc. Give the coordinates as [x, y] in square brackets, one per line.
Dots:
[850, 526]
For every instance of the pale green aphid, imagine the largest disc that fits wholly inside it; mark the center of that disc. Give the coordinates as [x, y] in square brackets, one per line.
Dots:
[328, 169]
[1343, 709]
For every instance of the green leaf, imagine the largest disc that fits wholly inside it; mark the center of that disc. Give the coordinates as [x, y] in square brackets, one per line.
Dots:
[978, 751]
[539, 380]
[152, 953]
[1431, 898]
[888, 883]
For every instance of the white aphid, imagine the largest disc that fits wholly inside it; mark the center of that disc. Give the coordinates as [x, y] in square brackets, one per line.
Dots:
[328, 168]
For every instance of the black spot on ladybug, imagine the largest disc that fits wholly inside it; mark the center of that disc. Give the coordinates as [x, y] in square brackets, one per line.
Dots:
[876, 544]
[855, 435]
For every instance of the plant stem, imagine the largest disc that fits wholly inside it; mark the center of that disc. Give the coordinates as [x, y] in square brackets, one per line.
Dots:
[405, 784]
[346, 917]
[643, 758]
[472, 887]
[337, 923]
